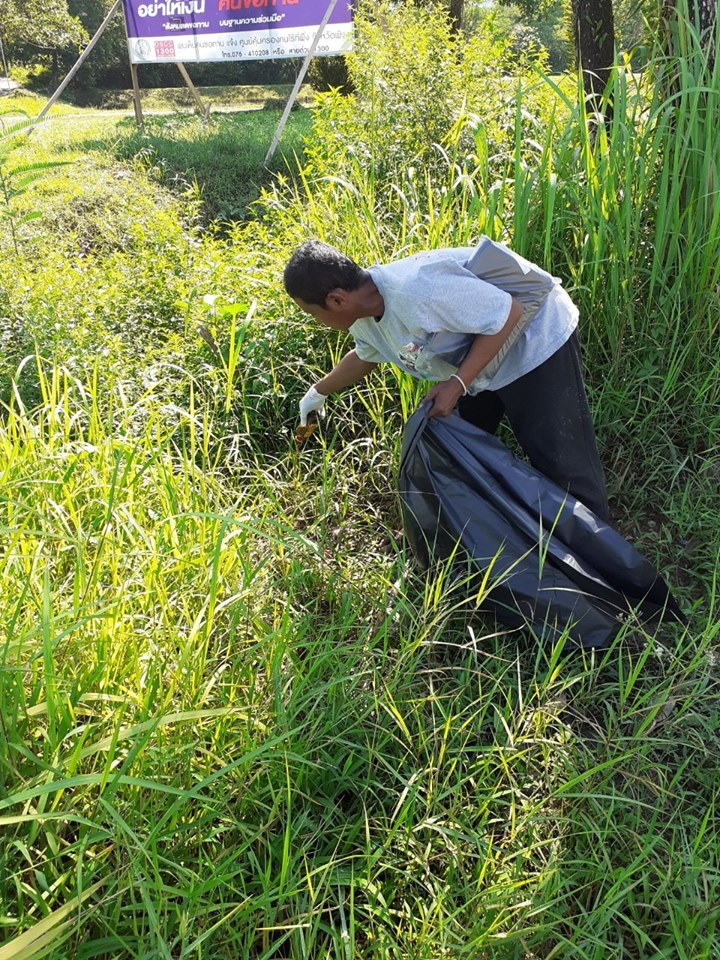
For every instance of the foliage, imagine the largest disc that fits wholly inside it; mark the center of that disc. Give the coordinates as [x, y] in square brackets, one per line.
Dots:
[547, 26]
[233, 720]
[416, 84]
[327, 73]
[14, 183]
[16, 179]
[636, 23]
[47, 24]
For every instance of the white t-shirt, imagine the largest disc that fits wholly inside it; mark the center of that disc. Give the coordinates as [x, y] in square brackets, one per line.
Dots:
[432, 292]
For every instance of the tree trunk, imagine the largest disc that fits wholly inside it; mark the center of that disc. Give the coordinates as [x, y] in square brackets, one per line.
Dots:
[594, 34]
[456, 13]
[703, 13]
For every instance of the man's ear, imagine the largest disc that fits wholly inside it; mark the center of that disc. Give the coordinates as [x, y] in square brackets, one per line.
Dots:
[336, 299]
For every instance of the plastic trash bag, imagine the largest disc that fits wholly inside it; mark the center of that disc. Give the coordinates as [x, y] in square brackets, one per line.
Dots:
[497, 264]
[550, 562]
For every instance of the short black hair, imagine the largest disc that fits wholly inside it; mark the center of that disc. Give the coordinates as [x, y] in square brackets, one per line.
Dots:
[316, 268]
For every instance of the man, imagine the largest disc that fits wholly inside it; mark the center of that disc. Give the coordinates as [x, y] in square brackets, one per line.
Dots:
[518, 361]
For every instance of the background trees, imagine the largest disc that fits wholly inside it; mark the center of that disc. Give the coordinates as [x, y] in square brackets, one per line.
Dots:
[44, 39]
[37, 29]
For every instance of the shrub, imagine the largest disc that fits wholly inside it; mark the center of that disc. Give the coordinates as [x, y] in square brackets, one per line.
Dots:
[330, 73]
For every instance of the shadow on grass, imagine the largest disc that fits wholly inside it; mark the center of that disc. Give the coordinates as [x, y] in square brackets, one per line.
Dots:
[234, 98]
[223, 158]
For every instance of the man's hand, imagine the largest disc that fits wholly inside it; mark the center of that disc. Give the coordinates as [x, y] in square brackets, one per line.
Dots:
[444, 398]
[312, 402]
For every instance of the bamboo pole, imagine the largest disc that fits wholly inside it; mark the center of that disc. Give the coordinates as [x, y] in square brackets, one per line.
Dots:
[139, 120]
[81, 59]
[298, 81]
[203, 108]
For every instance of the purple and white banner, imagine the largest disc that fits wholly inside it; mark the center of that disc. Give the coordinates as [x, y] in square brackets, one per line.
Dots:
[162, 31]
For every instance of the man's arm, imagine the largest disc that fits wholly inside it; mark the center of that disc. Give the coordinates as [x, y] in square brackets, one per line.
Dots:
[484, 347]
[349, 370]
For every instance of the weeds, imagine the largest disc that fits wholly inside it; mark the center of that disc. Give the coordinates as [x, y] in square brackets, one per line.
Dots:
[234, 720]
[15, 180]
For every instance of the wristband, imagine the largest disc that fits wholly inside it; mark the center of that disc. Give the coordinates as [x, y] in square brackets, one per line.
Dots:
[460, 380]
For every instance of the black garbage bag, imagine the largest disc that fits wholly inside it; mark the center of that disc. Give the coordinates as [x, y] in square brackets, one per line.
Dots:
[552, 563]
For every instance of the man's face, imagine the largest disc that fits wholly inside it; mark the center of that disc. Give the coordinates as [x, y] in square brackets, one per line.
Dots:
[341, 309]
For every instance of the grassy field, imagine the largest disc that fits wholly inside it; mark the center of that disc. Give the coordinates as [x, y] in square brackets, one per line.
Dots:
[234, 721]
[222, 160]
[171, 99]
[227, 98]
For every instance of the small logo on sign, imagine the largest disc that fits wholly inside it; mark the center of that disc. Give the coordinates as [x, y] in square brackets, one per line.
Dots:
[142, 49]
[165, 48]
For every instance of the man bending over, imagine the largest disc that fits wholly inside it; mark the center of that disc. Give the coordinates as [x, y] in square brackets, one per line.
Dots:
[526, 367]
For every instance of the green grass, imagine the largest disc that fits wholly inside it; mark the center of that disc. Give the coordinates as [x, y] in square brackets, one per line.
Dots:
[258, 743]
[221, 159]
[234, 722]
[225, 159]
[170, 99]
[226, 98]
[31, 104]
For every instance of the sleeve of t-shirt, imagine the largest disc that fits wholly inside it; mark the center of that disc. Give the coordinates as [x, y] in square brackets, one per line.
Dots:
[448, 297]
[367, 352]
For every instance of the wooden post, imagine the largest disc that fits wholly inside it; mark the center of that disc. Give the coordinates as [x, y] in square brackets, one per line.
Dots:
[203, 109]
[136, 96]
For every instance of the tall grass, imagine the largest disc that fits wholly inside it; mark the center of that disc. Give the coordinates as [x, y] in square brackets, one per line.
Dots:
[226, 733]
[234, 722]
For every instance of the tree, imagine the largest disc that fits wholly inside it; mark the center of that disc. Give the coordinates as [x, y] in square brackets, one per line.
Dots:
[594, 35]
[456, 13]
[545, 25]
[705, 15]
[455, 9]
[702, 14]
[45, 24]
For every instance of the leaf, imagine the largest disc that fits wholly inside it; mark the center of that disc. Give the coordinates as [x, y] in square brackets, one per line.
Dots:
[43, 933]
[38, 167]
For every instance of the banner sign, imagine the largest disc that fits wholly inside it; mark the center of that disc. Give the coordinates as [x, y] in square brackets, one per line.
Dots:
[162, 31]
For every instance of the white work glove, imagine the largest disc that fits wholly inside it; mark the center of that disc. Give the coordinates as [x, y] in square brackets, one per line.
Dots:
[312, 401]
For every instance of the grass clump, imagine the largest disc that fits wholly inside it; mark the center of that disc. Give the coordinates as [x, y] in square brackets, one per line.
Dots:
[223, 161]
[234, 722]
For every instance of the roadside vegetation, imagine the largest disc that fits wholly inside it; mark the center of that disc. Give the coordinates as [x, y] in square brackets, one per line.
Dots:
[234, 721]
